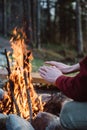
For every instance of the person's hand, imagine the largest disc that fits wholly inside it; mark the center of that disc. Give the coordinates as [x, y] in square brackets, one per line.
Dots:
[50, 73]
[63, 67]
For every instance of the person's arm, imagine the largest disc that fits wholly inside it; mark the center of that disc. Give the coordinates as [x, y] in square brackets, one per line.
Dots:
[75, 87]
[65, 69]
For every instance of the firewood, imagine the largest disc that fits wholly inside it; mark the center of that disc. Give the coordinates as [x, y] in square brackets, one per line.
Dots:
[28, 96]
[13, 98]
[55, 103]
[8, 64]
[26, 77]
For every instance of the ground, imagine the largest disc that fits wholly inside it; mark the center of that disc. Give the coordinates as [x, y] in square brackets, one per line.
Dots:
[48, 52]
[51, 52]
[4, 44]
[61, 53]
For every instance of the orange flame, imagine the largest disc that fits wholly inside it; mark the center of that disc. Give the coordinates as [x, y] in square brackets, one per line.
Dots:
[16, 87]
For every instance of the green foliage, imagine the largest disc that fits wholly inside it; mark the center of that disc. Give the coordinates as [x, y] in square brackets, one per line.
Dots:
[62, 53]
[36, 63]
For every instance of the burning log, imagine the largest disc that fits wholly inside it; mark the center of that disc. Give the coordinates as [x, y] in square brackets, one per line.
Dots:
[55, 103]
[26, 77]
[13, 98]
[8, 65]
[28, 95]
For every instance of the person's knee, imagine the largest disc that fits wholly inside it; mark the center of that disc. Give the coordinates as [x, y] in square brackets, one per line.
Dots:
[72, 115]
[66, 115]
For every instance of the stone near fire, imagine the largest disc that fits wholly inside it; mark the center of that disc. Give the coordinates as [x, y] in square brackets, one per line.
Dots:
[2, 82]
[3, 121]
[2, 94]
[15, 122]
[46, 121]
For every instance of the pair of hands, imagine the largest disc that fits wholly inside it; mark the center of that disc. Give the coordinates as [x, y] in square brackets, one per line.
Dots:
[54, 71]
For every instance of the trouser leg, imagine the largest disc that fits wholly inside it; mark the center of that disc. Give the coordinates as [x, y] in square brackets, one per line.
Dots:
[60, 126]
[73, 116]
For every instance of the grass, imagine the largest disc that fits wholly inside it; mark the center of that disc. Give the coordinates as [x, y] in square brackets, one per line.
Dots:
[36, 64]
[61, 53]
[59, 47]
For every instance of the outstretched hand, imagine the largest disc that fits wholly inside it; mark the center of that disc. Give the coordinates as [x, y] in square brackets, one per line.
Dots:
[50, 73]
[63, 67]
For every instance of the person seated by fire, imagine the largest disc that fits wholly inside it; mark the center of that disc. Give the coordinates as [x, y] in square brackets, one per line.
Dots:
[73, 114]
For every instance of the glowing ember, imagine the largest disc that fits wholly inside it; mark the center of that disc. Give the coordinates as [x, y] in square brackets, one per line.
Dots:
[22, 96]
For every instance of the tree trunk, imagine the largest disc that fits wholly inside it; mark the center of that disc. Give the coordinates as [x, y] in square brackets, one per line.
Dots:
[27, 21]
[5, 17]
[9, 14]
[38, 44]
[79, 28]
[33, 19]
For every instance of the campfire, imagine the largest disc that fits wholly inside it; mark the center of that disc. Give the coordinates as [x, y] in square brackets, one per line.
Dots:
[21, 106]
[22, 98]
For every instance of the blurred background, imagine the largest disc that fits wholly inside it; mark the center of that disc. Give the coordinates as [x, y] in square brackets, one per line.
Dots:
[55, 29]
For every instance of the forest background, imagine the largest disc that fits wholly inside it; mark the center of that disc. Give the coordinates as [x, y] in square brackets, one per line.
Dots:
[55, 29]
